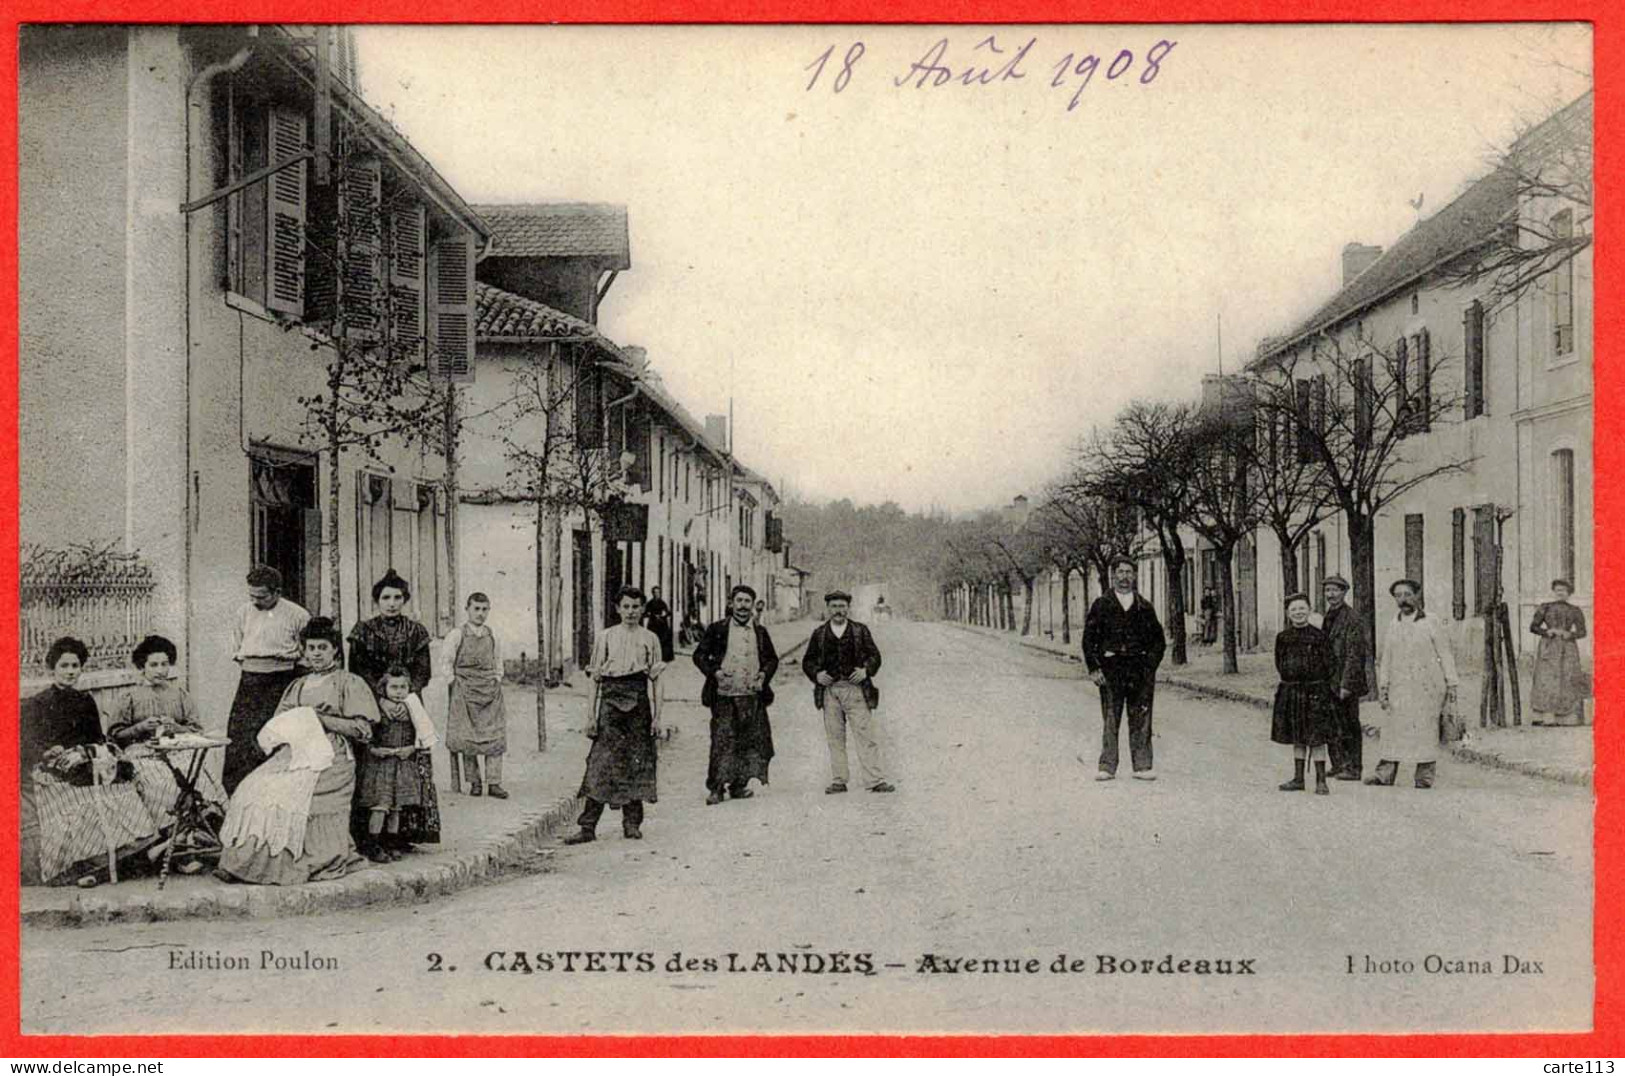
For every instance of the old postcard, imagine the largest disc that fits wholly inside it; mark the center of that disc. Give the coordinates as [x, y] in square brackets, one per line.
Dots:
[580, 530]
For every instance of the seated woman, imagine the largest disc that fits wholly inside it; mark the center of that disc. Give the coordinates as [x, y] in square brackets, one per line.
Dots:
[154, 708]
[289, 821]
[69, 821]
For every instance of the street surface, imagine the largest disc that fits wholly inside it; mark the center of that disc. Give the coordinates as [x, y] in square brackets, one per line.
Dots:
[998, 845]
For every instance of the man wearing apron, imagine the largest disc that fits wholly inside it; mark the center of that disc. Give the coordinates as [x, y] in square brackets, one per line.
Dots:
[621, 764]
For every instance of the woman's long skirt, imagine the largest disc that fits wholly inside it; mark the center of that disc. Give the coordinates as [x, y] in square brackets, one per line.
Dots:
[1560, 680]
[67, 829]
[329, 851]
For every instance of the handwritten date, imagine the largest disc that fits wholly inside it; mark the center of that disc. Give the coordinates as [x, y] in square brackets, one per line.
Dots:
[992, 64]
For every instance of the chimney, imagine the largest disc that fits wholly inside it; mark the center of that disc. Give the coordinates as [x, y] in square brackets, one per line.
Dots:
[716, 431]
[1357, 258]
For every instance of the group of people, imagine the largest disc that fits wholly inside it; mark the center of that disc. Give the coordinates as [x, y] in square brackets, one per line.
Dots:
[327, 764]
[737, 657]
[1322, 674]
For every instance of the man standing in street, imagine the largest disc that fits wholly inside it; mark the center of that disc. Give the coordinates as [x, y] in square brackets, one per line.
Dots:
[841, 661]
[1343, 630]
[265, 634]
[657, 618]
[1122, 647]
[1416, 680]
[624, 667]
[738, 660]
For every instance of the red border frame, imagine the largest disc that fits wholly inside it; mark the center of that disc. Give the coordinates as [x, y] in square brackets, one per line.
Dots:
[1609, 521]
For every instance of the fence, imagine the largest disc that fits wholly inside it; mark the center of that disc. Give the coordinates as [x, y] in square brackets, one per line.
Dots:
[107, 605]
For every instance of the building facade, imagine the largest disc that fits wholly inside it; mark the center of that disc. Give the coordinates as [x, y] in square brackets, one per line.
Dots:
[170, 191]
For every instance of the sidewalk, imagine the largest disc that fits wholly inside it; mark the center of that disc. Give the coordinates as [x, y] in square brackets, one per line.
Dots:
[1551, 753]
[482, 839]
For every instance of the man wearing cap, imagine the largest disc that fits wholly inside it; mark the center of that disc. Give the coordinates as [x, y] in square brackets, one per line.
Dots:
[1343, 630]
[1122, 647]
[1416, 680]
[841, 661]
[737, 657]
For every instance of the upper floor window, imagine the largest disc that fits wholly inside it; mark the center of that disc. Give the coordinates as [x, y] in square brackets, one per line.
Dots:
[1473, 359]
[1563, 288]
[265, 221]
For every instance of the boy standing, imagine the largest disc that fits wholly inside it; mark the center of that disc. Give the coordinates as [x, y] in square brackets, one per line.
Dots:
[621, 764]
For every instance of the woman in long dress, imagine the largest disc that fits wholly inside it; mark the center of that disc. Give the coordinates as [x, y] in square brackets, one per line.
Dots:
[377, 645]
[68, 826]
[1560, 680]
[477, 722]
[260, 846]
[153, 708]
[1304, 716]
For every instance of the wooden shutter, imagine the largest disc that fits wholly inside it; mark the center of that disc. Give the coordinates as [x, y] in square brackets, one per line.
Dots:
[1305, 406]
[1402, 384]
[285, 220]
[1484, 559]
[361, 237]
[451, 317]
[1424, 381]
[406, 291]
[1458, 563]
[638, 440]
[1473, 348]
[1414, 558]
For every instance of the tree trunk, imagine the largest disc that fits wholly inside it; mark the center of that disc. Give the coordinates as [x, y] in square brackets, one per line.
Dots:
[1027, 613]
[1173, 559]
[1066, 605]
[1362, 550]
[1223, 555]
[335, 589]
[450, 449]
[1009, 607]
[543, 657]
[1289, 561]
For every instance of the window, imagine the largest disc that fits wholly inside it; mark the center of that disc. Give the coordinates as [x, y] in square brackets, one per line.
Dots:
[1563, 288]
[1304, 407]
[1458, 563]
[1421, 395]
[1472, 349]
[401, 526]
[589, 409]
[1364, 400]
[1562, 498]
[1414, 560]
[1416, 303]
[1320, 572]
[265, 246]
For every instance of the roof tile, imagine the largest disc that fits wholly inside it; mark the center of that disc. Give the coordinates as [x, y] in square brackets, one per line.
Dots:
[560, 230]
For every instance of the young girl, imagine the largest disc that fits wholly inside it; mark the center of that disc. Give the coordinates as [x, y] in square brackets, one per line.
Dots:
[389, 776]
[1304, 716]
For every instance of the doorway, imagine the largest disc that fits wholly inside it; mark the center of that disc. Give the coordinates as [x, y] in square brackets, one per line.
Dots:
[582, 562]
[285, 526]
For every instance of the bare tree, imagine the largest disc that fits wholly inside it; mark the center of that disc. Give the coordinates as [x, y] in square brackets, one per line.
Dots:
[1292, 495]
[1364, 413]
[378, 387]
[1143, 461]
[1547, 174]
[553, 440]
[1225, 503]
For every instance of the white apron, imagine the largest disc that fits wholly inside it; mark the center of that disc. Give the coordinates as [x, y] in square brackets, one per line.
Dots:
[1416, 668]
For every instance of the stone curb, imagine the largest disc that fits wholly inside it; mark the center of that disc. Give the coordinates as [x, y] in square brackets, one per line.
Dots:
[1561, 774]
[488, 859]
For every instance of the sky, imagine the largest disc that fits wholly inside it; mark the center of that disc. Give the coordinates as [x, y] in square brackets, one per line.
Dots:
[927, 285]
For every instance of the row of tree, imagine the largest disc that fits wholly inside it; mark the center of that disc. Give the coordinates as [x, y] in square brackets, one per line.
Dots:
[1334, 429]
